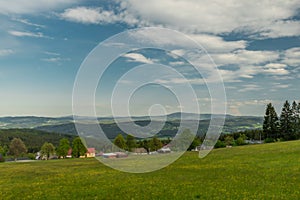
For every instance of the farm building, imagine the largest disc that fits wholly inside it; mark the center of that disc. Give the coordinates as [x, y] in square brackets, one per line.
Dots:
[139, 151]
[69, 155]
[109, 155]
[91, 152]
[164, 150]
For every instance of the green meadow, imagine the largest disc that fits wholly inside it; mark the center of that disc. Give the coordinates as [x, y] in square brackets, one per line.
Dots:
[268, 171]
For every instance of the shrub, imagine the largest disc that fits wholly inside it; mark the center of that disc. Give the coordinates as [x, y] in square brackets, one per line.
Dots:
[220, 144]
[269, 140]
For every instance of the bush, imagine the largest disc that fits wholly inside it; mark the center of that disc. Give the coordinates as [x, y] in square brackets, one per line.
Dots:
[269, 140]
[220, 144]
[1, 158]
[241, 140]
[31, 156]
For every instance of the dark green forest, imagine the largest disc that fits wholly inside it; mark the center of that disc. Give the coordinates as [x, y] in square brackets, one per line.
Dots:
[33, 139]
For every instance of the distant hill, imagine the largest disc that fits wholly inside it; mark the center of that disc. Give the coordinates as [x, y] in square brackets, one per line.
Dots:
[65, 125]
[232, 124]
[31, 121]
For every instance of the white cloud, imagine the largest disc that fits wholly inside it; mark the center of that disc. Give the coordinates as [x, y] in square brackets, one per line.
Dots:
[55, 59]
[278, 85]
[27, 34]
[89, 15]
[217, 44]
[172, 81]
[24, 21]
[281, 29]
[194, 16]
[33, 6]
[136, 57]
[292, 57]
[51, 53]
[6, 52]
[177, 63]
[97, 15]
[245, 57]
[276, 69]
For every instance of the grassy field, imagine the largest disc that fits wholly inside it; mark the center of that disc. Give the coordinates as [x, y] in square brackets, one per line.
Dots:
[268, 171]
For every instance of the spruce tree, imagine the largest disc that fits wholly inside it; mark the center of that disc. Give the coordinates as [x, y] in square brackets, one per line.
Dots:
[286, 124]
[298, 121]
[295, 120]
[271, 123]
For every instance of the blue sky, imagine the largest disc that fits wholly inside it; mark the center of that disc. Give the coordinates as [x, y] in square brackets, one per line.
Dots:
[255, 45]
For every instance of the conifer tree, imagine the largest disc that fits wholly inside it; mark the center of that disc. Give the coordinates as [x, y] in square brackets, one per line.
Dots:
[271, 123]
[286, 124]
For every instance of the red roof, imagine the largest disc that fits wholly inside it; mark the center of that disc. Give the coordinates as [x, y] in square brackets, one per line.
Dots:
[91, 150]
[70, 152]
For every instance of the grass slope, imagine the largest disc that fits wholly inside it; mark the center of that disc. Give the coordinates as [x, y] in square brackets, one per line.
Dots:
[269, 171]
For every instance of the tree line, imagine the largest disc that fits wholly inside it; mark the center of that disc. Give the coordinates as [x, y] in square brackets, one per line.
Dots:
[283, 127]
[185, 139]
[17, 148]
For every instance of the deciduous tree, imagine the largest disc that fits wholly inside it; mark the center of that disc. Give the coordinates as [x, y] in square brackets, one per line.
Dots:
[63, 148]
[120, 142]
[17, 147]
[47, 150]
[130, 142]
[78, 148]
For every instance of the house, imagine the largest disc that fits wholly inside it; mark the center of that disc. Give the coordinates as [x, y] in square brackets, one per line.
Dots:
[164, 150]
[139, 151]
[109, 155]
[91, 153]
[69, 155]
[121, 155]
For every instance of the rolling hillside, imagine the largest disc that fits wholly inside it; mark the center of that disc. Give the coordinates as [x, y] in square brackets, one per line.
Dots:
[65, 125]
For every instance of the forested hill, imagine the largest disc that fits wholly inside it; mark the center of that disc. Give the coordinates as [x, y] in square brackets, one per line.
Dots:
[33, 139]
[232, 124]
[50, 129]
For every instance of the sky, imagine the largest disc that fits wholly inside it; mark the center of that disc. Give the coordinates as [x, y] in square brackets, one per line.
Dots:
[255, 46]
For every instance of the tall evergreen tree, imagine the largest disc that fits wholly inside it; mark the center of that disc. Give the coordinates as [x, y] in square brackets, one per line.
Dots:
[295, 119]
[286, 124]
[298, 121]
[271, 123]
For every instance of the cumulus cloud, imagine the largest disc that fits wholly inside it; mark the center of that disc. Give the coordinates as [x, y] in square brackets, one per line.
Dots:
[245, 57]
[89, 15]
[258, 16]
[97, 15]
[250, 87]
[136, 57]
[214, 43]
[33, 6]
[292, 57]
[276, 69]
